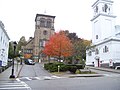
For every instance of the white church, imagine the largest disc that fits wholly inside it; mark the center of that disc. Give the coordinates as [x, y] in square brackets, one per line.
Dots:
[105, 48]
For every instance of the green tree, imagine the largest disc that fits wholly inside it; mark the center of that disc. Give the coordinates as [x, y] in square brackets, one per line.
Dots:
[22, 42]
[11, 51]
[79, 46]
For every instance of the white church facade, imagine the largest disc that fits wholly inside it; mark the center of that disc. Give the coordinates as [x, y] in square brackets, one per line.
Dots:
[105, 48]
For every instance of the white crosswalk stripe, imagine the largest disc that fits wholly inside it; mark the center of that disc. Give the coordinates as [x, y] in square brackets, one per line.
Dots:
[13, 85]
[38, 78]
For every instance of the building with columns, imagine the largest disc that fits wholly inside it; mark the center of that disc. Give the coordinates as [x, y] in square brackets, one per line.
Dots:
[44, 29]
[105, 48]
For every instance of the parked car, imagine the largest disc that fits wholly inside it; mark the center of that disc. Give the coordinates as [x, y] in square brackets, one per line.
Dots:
[29, 62]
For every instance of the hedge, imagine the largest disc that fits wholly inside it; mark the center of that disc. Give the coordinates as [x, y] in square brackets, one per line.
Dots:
[53, 67]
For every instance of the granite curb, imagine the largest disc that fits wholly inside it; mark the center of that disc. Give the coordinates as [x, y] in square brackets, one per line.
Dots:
[105, 69]
[86, 75]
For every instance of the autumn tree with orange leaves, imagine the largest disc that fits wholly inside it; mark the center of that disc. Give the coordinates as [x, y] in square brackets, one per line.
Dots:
[59, 46]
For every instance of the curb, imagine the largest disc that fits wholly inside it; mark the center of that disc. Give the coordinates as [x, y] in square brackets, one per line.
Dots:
[114, 71]
[86, 75]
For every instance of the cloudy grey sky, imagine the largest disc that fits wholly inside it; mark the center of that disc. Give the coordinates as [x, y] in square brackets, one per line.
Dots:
[74, 15]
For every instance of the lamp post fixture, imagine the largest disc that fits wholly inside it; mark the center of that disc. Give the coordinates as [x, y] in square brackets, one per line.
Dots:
[14, 47]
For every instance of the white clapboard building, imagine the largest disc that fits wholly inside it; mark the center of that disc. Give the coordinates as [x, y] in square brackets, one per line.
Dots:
[4, 45]
[105, 48]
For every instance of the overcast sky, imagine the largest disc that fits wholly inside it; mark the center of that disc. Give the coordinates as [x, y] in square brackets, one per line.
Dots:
[18, 16]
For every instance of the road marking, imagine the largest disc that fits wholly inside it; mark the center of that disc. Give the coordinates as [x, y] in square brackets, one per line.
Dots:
[55, 77]
[13, 85]
[38, 78]
[28, 78]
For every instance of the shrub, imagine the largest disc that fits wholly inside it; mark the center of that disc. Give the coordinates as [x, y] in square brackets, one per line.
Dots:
[53, 67]
[72, 69]
[63, 68]
[47, 65]
[80, 66]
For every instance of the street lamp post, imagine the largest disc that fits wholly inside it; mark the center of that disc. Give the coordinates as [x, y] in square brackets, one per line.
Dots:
[14, 47]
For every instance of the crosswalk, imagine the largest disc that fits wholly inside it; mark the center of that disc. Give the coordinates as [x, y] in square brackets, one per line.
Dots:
[19, 83]
[38, 78]
[13, 85]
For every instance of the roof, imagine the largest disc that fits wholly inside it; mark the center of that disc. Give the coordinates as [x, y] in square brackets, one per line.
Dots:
[102, 1]
[29, 41]
[3, 28]
[105, 40]
[44, 16]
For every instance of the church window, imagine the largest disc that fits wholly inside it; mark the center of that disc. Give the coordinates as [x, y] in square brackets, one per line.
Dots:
[37, 27]
[90, 53]
[96, 36]
[48, 23]
[105, 8]
[42, 43]
[96, 51]
[37, 22]
[105, 49]
[42, 22]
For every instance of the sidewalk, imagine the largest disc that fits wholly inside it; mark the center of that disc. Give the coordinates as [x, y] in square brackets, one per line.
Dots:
[6, 74]
[105, 69]
[91, 75]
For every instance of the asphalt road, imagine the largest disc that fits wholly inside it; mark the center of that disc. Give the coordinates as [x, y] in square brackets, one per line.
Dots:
[94, 83]
[39, 79]
[33, 71]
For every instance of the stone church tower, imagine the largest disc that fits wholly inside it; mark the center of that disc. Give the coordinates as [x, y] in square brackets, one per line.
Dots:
[44, 28]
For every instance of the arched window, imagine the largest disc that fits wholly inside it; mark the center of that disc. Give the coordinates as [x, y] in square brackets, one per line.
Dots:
[49, 21]
[42, 22]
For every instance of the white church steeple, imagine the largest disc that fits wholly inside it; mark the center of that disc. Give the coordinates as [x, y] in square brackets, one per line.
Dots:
[102, 21]
[103, 7]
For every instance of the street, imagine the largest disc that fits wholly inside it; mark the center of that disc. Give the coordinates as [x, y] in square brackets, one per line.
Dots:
[39, 79]
[94, 83]
[34, 77]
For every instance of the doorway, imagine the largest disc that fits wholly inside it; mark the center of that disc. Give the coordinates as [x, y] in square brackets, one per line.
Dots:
[98, 62]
